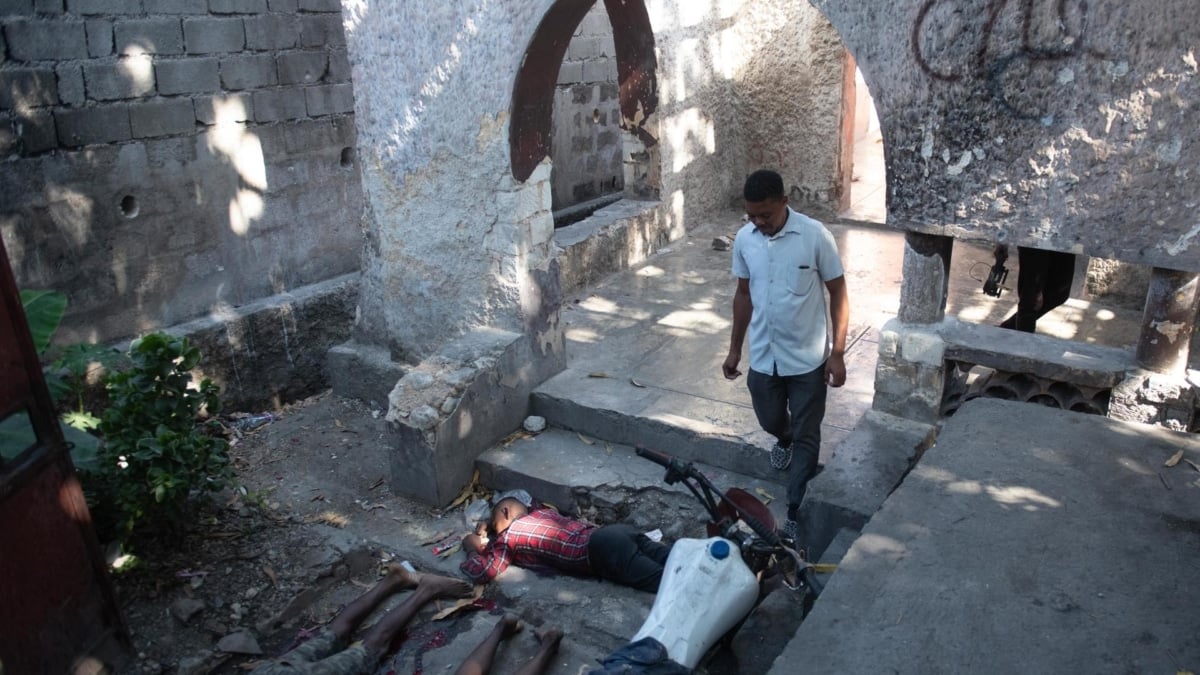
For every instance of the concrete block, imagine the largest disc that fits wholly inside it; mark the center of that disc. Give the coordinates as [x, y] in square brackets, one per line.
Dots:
[3, 48]
[131, 77]
[36, 132]
[48, 6]
[237, 6]
[187, 76]
[365, 372]
[87, 126]
[339, 66]
[889, 340]
[149, 36]
[271, 31]
[176, 6]
[274, 105]
[27, 88]
[320, 6]
[329, 99]
[925, 348]
[16, 7]
[225, 108]
[36, 40]
[104, 6]
[595, 70]
[571, 72]
[283, 5]
[322, 30]
[99, 37]
[208, 35]
[70, 84]
[248, 71]
[302, 67]
[163, 117]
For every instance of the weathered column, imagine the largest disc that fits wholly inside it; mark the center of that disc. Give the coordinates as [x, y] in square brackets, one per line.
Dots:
[926, 278]
[1168, 320]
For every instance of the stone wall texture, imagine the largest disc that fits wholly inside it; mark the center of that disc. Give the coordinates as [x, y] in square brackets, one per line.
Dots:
[588, 139]
[1063, 125]
[167, 160]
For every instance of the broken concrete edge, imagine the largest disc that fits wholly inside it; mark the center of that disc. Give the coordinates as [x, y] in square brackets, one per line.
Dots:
[725, 451]
[458, 403]
[1148, 397]
[866, 467]
[363, 371]
[612, 239]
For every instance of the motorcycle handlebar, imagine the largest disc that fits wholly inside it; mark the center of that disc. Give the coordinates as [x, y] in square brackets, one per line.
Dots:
[661, 458]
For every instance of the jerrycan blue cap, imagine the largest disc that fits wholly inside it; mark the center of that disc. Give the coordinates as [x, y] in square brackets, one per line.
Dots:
[719, 549]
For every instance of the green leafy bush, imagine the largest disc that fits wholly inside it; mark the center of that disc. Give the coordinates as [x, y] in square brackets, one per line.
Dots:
[156, 452]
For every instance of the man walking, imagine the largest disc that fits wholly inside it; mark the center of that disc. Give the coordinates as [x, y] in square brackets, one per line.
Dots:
[784, 262]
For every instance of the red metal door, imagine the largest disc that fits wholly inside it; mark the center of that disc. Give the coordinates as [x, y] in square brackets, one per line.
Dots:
[57, 610]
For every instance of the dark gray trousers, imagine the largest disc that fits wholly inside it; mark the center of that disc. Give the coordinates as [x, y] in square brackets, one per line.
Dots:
[622, 554]
[791, 409]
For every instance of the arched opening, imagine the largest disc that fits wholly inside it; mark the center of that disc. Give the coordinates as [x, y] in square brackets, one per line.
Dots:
[864, 196]
[623, 81]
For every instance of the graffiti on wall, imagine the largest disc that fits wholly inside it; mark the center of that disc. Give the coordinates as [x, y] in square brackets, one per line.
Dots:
[1018, 49]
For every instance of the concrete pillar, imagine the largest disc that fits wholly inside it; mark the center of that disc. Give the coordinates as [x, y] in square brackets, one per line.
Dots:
[926, 277]
[1168, 320]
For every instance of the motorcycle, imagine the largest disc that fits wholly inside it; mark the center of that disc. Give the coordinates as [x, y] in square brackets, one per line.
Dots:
[710, 586]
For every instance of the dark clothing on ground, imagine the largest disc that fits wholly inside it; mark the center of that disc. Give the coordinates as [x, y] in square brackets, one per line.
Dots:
[644, 657]
[621, 554]
[1043, 283]
[791, 409]
[322, 654]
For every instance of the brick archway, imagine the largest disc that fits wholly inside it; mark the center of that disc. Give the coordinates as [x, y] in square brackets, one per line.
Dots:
[533, 92]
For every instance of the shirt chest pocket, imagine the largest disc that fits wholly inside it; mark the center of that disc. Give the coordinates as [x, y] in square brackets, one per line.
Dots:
[802, 279]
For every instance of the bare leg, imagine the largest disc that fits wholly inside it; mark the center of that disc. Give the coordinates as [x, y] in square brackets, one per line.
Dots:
[353, 614]
[430, 587]
[480, 660]
[549, 637]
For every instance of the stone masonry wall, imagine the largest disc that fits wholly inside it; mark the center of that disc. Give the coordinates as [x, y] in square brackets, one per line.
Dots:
[588, 140]
[165, 160]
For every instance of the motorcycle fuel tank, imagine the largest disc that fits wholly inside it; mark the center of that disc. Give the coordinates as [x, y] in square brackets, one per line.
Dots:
[706, 589]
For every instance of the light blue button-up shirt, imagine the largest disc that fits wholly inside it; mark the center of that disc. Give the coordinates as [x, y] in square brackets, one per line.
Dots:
[789, 331]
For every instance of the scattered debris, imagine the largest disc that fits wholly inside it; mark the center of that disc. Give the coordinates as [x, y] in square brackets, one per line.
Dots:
[534, 424]
[331, 518]
[767, 497]
[585, 439]
[464, 603]
[636, 383]
[598, 375]
[722, 243]
[1174, 459]
[185, 609]
[251, 422]
[240, 642]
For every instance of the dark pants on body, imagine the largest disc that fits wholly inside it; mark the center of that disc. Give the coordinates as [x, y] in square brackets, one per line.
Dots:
[1043, 283]
[791, 409]
[621, 554]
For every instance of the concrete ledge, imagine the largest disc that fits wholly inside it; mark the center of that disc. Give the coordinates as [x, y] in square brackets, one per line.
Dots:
[453, 406]
[363, 371]
[272, 351]
[1047, 357]
[863, 471]
[611, 239]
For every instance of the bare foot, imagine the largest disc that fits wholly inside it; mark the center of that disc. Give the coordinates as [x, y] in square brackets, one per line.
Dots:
[549, 637]
[444, 587]
[511, 625]
[401, 577]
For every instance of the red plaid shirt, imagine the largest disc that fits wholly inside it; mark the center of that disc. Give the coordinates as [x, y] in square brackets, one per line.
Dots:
[542, 539]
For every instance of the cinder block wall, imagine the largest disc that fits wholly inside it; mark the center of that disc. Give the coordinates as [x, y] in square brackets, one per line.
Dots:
[163, 161]
[588, 139]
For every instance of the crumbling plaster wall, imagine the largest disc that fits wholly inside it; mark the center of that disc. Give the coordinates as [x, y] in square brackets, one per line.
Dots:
[1068, 126]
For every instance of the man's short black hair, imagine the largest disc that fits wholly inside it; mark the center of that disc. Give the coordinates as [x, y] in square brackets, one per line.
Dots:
[762, 185]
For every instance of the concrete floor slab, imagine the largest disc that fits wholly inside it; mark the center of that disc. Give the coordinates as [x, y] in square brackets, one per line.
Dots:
[1027, 540]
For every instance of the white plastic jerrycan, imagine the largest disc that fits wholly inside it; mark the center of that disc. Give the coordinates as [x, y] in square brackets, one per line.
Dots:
[706, 590]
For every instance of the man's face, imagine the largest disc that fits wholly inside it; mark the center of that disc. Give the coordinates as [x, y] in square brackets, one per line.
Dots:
[768, 215]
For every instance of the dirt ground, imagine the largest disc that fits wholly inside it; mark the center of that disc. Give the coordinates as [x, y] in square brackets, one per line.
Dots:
[278, 556]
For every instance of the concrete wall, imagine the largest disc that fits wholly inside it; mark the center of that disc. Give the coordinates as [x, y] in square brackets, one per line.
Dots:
[166, 160]
[1068, 126]
[588, 139]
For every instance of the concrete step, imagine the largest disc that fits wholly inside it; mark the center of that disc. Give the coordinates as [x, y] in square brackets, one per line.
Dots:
[608, 482]
[691, 427]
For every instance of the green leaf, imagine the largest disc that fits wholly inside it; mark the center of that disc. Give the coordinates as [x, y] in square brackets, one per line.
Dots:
[44, 310]
[81, 419]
